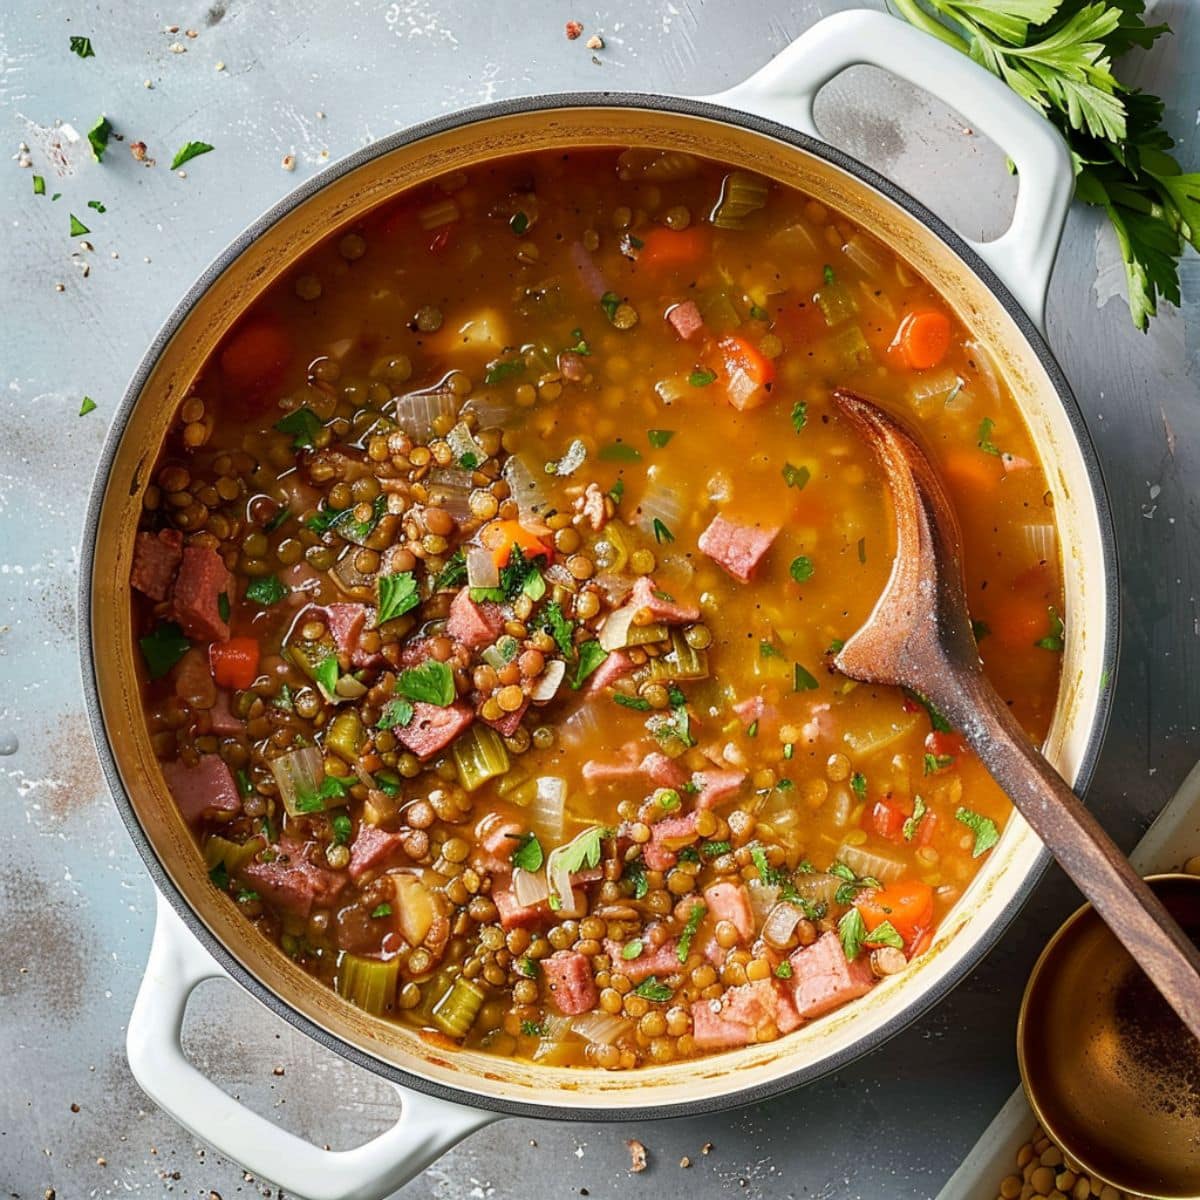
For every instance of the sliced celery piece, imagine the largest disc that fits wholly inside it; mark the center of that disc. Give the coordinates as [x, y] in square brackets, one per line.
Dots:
[836, 303]
[479, 755]
[455, 1012]
[741, 195]
[345, 736]
[680, 662]
[234, 855]
[850, 348]
[368, 983]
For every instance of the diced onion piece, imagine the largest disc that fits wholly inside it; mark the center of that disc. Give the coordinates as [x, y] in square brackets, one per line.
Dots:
[549, 681]
[986, 383]
[930, 391]
[1041, 538]
[614, 633]
[529, 887]
[492, 412]
[482, 571]
[533, 500]
[417, 412]
[581, 730]
[780, 924]
[763, 898]
[612, 548]
[661, 502]
[414, 908]
[818, 888]
[843, 806]
[299, 775]
[552, 1050]
[865, 254]
[546, 811]
[559, 876]
[349, 688]
[877, 734]
[878, 864]
[571, 461]
[450, 488]
[614, 587]
[673, 388]
[463, 446]
[558, 574]
[602, 1028]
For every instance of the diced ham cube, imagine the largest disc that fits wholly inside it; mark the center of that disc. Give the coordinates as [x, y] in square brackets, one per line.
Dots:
[656, 767]
[471, 624]
[712, 1030]
[661, 960]
[647, 594]
[568, 977]
[296, 885]
[731, 902]
[346, 623]
[685, 319]
[506, 724]
[823, 980]
[616, 666]
[497, 837]
[204, 792]
[433, 728]
[716, 786]
[663, 771]
[372, 848]
[222, 722]
[196, 596]
[667, 837]
[573, 366]
[514, 915]
[155, 560]
[736, 547]
[753, 1012]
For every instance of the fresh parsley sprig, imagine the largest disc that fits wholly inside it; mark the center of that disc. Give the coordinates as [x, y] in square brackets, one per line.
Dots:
[1058, 56]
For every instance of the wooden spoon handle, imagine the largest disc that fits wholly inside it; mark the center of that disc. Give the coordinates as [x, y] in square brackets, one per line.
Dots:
[1077, 840]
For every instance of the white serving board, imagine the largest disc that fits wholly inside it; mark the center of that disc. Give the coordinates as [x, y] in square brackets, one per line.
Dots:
[1168, 844]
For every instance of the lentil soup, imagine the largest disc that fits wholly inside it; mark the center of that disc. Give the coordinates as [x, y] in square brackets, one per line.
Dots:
[487, 592]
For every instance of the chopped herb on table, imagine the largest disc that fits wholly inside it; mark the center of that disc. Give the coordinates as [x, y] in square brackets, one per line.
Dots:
[187, 152]
[98, 137]
[82, 46]
[39, 185]
[88, 405]
[78, 228]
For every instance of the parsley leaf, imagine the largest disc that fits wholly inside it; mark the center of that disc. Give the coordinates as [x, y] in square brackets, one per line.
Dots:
[884, 934]
[936, 719]
[303, 424]
[533, 1029]
[610, 302]
[658, 438]
[702, 377]
[802, 681]
[528, 855]
[801, 569]
[381, 910]
[662, 533]
[265, 591]
[799, 415]
[1055, 639]
[635, 873]
[910, 826]
[651, 989]
[591, 655]
[98, 137]
[637, 703]
[87, 406]
[784, 970]
[796, 477]
[83, 47]
[326, 675]
[858, 784]
[852, 932]
[937, 762]
[187, 152]
[985, 442]
[163, 648]
[521, 574]
[689, 930]
[631, 950]
[395, 712]
[984, 829]
[342, 828]
[397, 595]
[432, 683]
[454, 573]
[559, 627]
[223, 606]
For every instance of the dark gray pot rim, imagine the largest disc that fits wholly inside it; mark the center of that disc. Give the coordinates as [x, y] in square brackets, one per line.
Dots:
[650, 102]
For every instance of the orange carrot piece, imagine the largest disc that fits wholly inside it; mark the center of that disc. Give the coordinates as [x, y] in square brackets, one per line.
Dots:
[923, 339]
[749, 372]
[663, 247]
[971, 472]
[907, 905]
[255, 357]
[1020, 621]
[234, 664]
[501, 536]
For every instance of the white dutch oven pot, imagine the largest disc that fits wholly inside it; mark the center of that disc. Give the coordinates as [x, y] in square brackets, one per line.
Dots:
[765, 124]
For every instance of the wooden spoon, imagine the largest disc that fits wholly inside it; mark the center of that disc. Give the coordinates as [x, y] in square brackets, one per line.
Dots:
[919, 636]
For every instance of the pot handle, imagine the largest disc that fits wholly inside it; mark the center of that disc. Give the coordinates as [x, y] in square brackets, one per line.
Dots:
[784, 91]
[427, 1127]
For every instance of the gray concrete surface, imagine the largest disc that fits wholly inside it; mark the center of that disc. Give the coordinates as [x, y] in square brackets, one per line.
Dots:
[317, 78]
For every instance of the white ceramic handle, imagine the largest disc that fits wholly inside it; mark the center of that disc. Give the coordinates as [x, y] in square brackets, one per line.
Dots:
[784, 91]
[427, 1127]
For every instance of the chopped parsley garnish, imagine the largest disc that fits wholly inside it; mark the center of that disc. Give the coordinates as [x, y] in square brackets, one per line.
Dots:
[631, 950]
[469, 460]
[661, 532]
[518, 223]
[827, 274]
[245, 784]
[752, 729]
[796, 477]
[715, 849]
[858, 784]
[220, 875]
[689, 930]
[39, 185]
[326, 675]
[502, 369]
[851, 883]
[658, 438]
[278, 519]
[453, 574]
[331, 788]
[937, 762]
[939, 722]
[918, 813]
[758, 313]
[303, 424]
[88, 405]
[187, 152]
[528, 855]
[582, 853]
[245, 895]
[580, 346]
[527, 966]
[431, 683]
[985, 437]
[784, 970]
[617, 491]
[284, 700]
[768, 875]
[799, 415]
[521, 574]
[619, 452]
[789, 748]
[559, 627]
[381, 910]
[637, 703]
[635, 873]
[78, 228]
[769, 650]
[388, 782]
[676, 727]
[651, 989]
[163, 648]
[533, 1029]
[395, 712]
[884, 934]
[397, 595]
[83, 47]
[591, 655]
[98, 137]
[984, 829]
[801, 569]
[802, 681]
[97, 205]
[265, 591]
[610, 302]
[852, 933]
[702, 377]
[1055, 639]
[342, 827]
[223, 606]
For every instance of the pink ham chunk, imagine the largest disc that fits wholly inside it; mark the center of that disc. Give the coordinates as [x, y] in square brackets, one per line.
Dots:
[731, 902]
[656, 767]
[823, 980]
[372, 849]
[433, 728]
[685, 319]
[616, 666]
[497, 838]
[196, 597]
[471, 624]
[155, 560]
[667, 837]
[204, 792]
[736, 547]
[568, 978]
[296, 886]
[506, 724]
[514, 915]
[715, 787]
[346, 623]
[221, 721]
[660, 960]
[648, 595]
[754, 1012]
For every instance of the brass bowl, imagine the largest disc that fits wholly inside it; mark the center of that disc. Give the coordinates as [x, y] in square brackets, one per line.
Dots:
[1111, 1073]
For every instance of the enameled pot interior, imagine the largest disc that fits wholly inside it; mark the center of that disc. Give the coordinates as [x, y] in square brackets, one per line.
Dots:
[270, 250]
